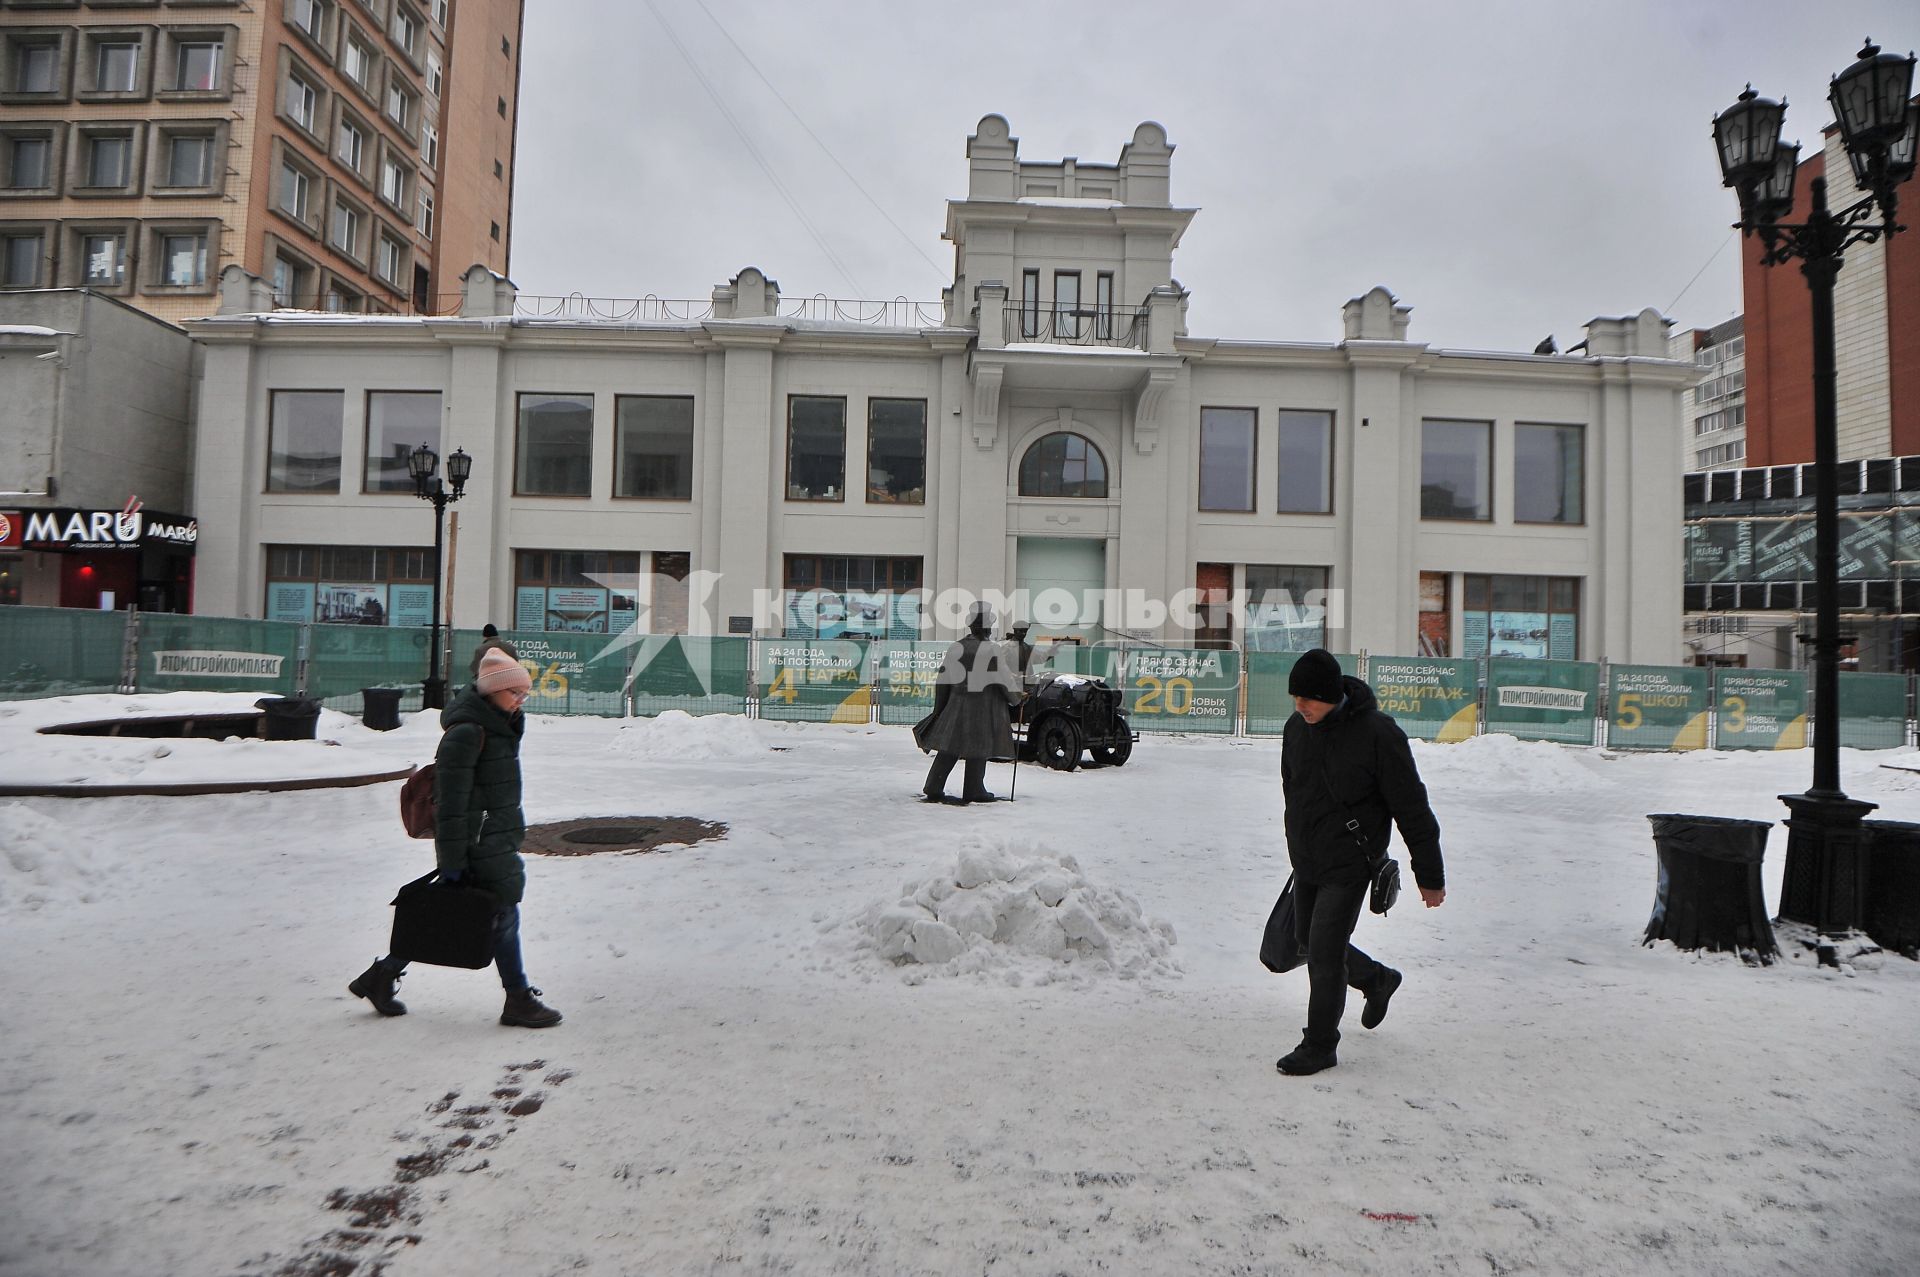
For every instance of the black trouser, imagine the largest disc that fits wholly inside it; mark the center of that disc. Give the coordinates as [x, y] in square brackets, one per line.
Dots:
[974, 777]
[1328, 915]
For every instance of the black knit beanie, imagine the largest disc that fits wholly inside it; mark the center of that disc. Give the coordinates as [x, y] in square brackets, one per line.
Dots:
[1316, 676]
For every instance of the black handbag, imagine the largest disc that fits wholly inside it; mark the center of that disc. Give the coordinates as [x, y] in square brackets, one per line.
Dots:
[1280, 947]
[443, 924]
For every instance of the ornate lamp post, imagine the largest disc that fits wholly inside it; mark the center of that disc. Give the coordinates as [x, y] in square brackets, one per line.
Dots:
[1878, 126]
[422, 463]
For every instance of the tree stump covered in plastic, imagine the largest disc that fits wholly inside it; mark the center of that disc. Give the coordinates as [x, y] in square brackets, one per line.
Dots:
[1709, 894]
[1893, 884]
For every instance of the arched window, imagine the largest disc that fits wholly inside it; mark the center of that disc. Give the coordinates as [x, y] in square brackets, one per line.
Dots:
[1063, 465]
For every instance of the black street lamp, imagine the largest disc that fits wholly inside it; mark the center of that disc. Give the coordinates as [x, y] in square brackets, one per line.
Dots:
[1878, 125]
[422, 463]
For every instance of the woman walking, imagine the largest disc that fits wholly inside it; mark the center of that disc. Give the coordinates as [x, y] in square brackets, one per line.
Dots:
[478, 829]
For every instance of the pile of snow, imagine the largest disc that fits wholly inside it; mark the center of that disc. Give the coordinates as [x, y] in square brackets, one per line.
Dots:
[43, 863]
[1018, 912]
[676, 734]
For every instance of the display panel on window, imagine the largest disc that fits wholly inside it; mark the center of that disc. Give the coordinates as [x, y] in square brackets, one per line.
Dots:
[1530, 617]
[578, 591]
[1286, 608]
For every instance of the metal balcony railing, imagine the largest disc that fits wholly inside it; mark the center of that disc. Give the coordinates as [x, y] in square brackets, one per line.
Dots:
[1075, 326]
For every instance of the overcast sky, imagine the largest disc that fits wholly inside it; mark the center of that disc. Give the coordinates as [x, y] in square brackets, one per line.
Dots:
[1508, 174]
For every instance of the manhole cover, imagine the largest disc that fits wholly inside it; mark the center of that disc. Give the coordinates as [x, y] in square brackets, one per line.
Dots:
[613, 835]
[624, 835]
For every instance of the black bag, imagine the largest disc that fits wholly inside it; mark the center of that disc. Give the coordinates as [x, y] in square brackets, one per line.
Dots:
[443, 924]
[1386, 885]
[1280, 947]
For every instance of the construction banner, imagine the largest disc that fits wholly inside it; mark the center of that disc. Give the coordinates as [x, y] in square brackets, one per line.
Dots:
[1759, 709]
[1432, 698]
[1657, 707]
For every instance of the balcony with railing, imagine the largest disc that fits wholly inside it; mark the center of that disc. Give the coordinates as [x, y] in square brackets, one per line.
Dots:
[1074, 326]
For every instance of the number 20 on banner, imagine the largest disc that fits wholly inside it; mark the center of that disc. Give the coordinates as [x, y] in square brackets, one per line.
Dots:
[1163, 696]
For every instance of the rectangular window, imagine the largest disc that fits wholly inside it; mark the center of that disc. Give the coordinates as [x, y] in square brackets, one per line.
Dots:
[36, 68]
[189, 161]
[391, 261]
[292, 282]
[555, 453]
[1227, 458]
[1456, 470]
[29, 161]
[196, 66]
[653, 447]
[310, 16]
[816, 448]
[440, 12]
[24, 255]
[398, 421]
[393, 183]
[896, 452]
[183, 259]
[1535, 617]
[430, 145]
[303, 441]
[1103, 305]
[1066, 304]
[1306, 462]
[294, 191]
[435, 74]
[398, 104]
[353, 145]
[1548, 473]
[303, 102]
[406, 31]
[105, 260]
[108, 160]
[1286, 607]
[116, 68]
[426, 215]
[357, 62]
[1030, 304]
[596, 591]
[346, 230]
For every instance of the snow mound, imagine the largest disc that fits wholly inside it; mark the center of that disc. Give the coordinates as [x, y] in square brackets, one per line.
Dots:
[42, 863]
[1494, 763]
[1017, 912]
[676, 734]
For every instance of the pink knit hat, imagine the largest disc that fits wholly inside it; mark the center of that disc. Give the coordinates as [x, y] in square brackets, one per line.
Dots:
[501, 673]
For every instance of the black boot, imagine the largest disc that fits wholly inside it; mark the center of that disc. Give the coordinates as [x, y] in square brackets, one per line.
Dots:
[378, 985]
[1309, 1057]
[524, 1010]
[1376, 1008]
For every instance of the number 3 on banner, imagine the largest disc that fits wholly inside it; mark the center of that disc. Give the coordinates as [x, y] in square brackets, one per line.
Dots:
[1174, 696]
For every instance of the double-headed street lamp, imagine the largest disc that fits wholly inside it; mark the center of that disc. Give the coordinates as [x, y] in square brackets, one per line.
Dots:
[1879, 126]
[422, 463]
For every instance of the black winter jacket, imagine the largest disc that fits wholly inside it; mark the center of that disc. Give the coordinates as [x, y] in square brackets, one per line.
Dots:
[1361, 756]
[477, 823]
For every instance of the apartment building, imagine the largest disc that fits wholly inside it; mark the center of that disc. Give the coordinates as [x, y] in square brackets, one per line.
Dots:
[1716, 411]
[355, 154]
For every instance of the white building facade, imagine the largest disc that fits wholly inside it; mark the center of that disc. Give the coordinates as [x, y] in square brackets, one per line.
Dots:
[1049, 432]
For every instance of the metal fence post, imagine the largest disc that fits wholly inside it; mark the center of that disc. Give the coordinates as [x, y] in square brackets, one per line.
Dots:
[130, 654]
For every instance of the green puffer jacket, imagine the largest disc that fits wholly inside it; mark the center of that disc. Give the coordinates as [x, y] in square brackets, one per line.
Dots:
[478, 826]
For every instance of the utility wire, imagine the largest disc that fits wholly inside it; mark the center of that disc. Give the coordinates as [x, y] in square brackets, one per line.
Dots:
[766, 168]
[1731, 236]
[913, 243]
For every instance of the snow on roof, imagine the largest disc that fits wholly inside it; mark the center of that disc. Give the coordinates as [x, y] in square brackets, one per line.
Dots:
[1062, 201]
[1068, 348]
[30, 330]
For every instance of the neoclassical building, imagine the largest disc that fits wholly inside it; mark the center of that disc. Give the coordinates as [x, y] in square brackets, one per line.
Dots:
[1049, 427]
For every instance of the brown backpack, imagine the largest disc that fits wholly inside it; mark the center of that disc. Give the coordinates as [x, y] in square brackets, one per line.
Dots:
[416, 803]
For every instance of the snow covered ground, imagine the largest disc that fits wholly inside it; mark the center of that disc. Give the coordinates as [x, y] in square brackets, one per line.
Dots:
[745, 1084]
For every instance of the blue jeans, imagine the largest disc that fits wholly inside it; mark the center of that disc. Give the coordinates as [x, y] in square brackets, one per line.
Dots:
[506, 951]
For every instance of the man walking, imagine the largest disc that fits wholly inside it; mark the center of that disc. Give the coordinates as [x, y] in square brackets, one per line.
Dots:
[970, 721]
[1346, 775]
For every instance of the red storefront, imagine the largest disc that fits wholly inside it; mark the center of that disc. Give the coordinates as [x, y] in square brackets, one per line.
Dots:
[62, 556]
